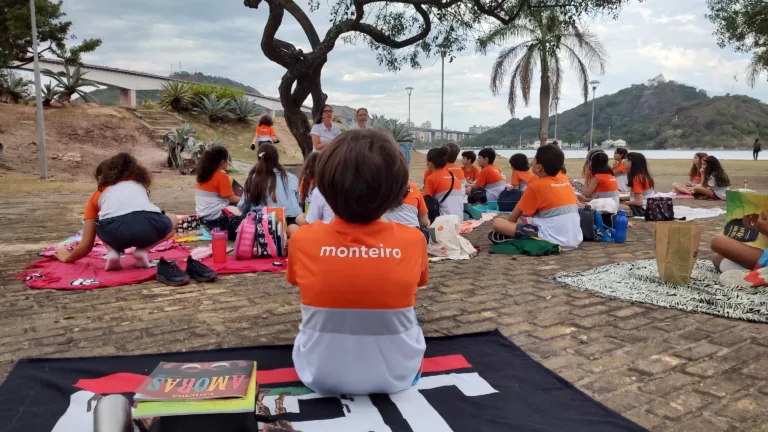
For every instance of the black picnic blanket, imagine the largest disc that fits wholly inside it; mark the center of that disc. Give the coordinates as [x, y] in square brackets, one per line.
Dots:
[475, 382]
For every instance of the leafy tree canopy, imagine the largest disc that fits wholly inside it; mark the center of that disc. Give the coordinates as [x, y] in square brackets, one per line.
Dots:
[53, 33]
[743, 24]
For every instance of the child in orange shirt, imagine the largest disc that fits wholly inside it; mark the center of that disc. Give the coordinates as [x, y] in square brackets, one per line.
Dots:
[602, 183]
[358, 275]
[265, 132]
[470, 170]
[549, 204]
[214, 189]
[640, 183]
[619, 170]
[694, 176]
[122, 215]
[521, 172]
[491, 177]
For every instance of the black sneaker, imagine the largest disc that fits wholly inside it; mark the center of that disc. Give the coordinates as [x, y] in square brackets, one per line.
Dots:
[199, 271]
[497, 238]
[170, 274]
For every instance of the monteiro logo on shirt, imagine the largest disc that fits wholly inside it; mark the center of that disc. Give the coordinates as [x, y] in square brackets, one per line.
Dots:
[560, 184]
[360, 252]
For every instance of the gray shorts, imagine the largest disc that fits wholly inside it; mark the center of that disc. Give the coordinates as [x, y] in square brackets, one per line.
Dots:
[140, 229]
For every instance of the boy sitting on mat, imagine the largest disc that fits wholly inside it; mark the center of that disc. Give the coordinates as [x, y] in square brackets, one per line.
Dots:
[549, 203]
[358, 275]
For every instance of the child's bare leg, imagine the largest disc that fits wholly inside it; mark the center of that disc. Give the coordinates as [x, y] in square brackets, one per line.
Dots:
[707, 192]
[291, 229]
[301, 220]
[141, 255]
[113, 259]
[682, 189]
[736, 251]
[504, 227]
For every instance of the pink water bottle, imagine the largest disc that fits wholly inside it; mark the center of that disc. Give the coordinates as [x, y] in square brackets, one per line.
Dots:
[219, 246]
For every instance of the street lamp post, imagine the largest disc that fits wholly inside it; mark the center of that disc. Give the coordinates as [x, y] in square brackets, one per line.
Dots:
[38, 97]
[442, 92]
[409, 89]
[556, 100]
[592, 129]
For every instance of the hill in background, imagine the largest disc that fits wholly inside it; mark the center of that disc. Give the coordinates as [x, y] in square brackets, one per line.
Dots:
[666, 115]
[201, 78]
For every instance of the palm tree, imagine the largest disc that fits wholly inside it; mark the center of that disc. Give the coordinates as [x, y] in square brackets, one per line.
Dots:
[176, 95]
[71, 83]
[543, 40]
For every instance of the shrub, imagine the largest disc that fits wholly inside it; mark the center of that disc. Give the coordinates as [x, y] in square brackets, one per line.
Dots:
[149, 104]
[221, 92]
[176, 96]
[214, 107]
[14, 89]
[242, 108]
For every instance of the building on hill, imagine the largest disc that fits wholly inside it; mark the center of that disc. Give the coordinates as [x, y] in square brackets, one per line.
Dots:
[474, 129]
[620, 143]
[426, 125]
[658, 79]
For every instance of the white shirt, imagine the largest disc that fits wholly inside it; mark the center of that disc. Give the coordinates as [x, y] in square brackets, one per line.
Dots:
[324, 133]
[123, 198]
[719, 191]
[357, 126]
[319, 208]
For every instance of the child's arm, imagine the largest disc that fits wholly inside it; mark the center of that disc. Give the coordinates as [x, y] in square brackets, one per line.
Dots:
[83, 248]
[637, 200]
[424, 219]
[590, 187]
[515, 215]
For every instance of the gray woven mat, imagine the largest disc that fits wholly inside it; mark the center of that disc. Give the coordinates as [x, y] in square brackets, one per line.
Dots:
[639, 282]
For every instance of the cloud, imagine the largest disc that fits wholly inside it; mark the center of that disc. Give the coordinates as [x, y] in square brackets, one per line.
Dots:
[223, 38]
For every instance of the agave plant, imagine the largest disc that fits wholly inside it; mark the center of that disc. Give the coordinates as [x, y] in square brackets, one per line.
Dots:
[242, 108]
[198, 148]
[71, 83]
[176, 95]
[50, 92]
[214, 108]
[399, 130]
[176, 141]
[13, 88]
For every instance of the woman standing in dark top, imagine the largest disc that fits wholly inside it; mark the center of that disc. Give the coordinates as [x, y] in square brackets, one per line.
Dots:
[756, 148]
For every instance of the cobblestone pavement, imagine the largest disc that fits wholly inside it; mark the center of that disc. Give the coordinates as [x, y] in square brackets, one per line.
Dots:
[664, 369]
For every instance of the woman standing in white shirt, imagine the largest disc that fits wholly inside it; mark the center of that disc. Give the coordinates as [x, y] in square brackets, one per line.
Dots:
[324, 130]
[361, 120]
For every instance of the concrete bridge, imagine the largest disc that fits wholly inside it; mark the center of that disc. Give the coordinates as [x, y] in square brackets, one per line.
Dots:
[130, 81]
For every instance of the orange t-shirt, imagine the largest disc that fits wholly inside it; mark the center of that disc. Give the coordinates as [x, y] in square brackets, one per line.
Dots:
[265, 131]
[427, 173]
[415, 198]
[547, 193]
[439, 182]
[218, 183]
[519, 177]
[472, 173]
[620, 168]
[695, 178]
[606, 183]
[92, 207]
[456, 170]
[489, 175]
[640, 184]
[351, 266]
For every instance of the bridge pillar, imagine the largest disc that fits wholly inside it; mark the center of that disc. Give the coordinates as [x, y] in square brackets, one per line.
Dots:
[128, 98]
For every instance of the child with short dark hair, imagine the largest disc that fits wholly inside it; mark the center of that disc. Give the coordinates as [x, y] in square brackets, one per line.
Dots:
[714, 180]
[214, 189]
[491, 177]
[265, 132]
[358, 275]
[521, 172]
[438, 184]
[470, 170]
[548, 208]
[618, 168]
[121, 215]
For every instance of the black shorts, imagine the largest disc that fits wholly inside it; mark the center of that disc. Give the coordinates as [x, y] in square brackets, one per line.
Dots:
[290, 221]
[140, 229]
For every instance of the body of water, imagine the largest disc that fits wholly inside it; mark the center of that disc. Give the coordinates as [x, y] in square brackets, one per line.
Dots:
[649, 154]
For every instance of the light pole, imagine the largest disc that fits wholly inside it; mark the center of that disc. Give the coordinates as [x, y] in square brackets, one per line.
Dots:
[556, 100]
[38, 96]
[442, 92]
[409, 89]
[592, 129]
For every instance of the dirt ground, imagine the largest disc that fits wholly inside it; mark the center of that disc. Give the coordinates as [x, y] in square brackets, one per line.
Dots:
[77, 139]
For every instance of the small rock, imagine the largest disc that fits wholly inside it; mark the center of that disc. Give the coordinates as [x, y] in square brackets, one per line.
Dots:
[583, 339]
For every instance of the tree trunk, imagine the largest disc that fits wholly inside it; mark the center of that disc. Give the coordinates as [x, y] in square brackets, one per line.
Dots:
[544, 96]
[292, 98]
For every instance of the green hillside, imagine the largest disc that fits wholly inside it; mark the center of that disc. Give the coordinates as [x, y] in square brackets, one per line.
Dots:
[202, 78]
[668, 115]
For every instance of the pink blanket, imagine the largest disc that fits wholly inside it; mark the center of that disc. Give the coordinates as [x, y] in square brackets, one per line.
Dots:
[89, 273]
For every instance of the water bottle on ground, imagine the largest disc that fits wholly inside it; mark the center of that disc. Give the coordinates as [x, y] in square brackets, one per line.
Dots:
[621, 224]
[113, 414]
[219, 246]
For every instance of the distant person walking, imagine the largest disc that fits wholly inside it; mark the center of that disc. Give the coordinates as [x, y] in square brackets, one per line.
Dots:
[756, 148]
[324, 130]
[361, 119]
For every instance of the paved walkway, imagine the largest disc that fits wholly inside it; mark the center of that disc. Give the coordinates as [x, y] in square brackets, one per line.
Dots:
[665, 369]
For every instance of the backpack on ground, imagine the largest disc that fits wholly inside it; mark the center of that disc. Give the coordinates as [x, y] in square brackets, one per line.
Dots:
[508, 199]
[477, 196]
[587, 221]
[229, 222]
[261, 235]
[433, 205]
[659, 209]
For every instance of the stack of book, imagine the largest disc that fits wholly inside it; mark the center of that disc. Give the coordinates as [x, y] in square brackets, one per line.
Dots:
[175, 389]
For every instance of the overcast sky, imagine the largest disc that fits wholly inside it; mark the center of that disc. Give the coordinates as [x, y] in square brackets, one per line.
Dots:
[222, 38]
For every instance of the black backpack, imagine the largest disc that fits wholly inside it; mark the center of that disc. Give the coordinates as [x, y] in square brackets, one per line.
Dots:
[433, 205]
[477, 196]
[508, 199]
[587, 216]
